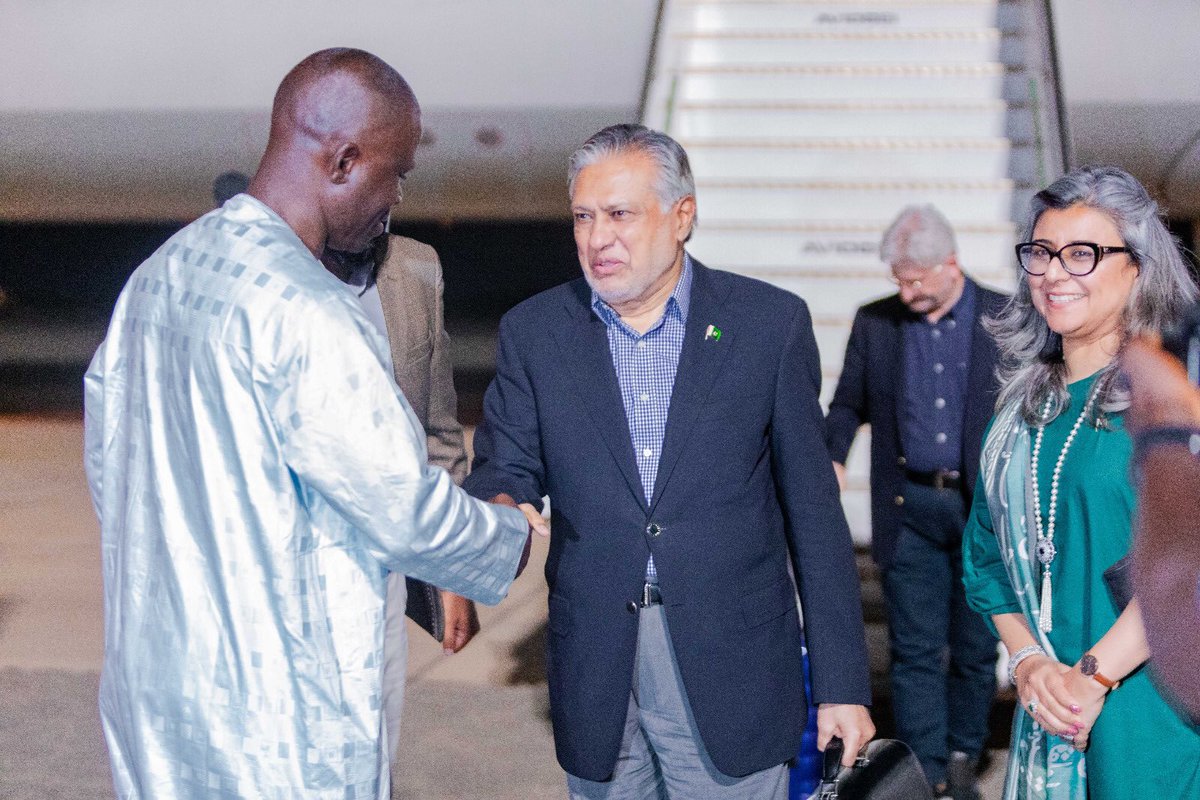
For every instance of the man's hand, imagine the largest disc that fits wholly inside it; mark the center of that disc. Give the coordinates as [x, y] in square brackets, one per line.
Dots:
[840, 471]
[461, 622]
[537, 523]
[852, 724]
[1161, 393]
[532, 516]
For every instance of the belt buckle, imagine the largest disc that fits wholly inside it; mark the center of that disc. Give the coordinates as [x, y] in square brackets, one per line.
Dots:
[942, 475]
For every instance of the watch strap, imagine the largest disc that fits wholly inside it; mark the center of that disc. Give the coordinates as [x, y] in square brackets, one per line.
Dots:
[1091, 668]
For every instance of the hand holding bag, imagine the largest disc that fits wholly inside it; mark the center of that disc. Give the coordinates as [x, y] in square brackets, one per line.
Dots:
[885, 770]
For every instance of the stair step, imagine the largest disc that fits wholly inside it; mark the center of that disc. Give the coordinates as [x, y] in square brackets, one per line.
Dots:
[853, 227]
[834, 200]
[715, 48]
[831, 338]
[835, 294]
[857, 143]
[773, 82]
[833, 15]
[837, 297]
[868, 69]
[847, 159]
[851, 245]
[844, 118]
[809, 123]
[833, 274]
[1001, 185]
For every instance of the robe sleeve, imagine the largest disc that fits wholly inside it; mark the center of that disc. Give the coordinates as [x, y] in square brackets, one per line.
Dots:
[346, 431]
[93, 427]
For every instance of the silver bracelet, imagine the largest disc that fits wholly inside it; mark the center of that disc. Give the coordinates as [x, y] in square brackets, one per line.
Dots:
[1015, 660]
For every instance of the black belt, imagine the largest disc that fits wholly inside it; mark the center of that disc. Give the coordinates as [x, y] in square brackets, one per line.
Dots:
[651, 595]
[939, 479]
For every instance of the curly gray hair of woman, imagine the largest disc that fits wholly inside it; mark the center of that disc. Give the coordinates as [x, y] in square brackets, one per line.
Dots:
[1031, 364]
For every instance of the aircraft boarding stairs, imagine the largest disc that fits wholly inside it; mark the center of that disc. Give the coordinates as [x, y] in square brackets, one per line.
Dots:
[810, 124]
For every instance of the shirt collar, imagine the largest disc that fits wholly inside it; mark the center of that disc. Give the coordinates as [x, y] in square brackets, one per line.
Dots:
[677, 304]
[966, 302]
[963, 308]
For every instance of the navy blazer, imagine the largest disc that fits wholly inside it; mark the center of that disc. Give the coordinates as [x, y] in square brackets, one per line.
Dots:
[744, 488]
[869, 390]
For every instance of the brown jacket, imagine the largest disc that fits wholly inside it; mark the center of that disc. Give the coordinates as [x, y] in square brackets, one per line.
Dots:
[410, 288]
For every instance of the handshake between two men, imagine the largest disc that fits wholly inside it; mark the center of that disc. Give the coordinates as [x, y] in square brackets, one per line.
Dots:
[255, 471]
[537, 524]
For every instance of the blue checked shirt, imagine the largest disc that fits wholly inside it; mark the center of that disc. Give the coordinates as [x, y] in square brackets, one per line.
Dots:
[646, 364]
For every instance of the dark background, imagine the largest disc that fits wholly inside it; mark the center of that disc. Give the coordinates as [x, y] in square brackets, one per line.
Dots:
[71, 274]
[75, 271]
[58, 275]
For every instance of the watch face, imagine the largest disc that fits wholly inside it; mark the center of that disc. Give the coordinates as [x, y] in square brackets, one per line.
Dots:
[1088, 665]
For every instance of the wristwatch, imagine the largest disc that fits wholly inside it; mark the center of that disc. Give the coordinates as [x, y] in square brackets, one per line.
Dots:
[1091, 668]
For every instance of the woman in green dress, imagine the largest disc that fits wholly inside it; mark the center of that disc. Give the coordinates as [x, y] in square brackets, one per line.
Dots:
[1054, 506]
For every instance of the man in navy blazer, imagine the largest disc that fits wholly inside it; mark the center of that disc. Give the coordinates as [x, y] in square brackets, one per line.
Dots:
[920, 369]
[670, 412]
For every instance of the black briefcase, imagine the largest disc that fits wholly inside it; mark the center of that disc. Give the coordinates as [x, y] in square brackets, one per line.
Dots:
[424, 607]
[885, 770]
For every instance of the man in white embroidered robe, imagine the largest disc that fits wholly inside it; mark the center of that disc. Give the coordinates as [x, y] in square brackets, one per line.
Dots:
[256, 471]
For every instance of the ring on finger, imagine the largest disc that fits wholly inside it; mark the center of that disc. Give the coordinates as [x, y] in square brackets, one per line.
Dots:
[1033, 707]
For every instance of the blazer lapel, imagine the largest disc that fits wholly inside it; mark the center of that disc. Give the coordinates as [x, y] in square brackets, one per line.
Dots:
[893, 366]
[979, 370]
[700, 362]
[586, 356]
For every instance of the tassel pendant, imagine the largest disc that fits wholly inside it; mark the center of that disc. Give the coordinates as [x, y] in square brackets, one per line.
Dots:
[1045, 616]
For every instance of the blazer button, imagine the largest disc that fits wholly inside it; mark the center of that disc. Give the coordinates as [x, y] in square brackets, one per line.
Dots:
[902, 461]
[654, 529]
[899, 499]
[631, 607]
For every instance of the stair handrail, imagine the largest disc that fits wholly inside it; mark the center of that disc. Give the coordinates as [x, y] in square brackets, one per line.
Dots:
[1060, 104]
[651, 62]
[1053, 128]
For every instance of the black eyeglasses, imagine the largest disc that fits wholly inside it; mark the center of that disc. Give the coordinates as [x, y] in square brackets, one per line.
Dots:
[1077, 258]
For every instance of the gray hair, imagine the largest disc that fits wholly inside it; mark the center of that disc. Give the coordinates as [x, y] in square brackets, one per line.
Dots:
[1031, 367]
[920, 234]
[674, 172]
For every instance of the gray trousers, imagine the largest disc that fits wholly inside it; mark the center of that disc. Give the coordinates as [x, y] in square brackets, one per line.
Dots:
[662, 756]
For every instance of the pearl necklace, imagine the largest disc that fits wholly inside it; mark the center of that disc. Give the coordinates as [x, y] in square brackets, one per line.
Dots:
[1045, 550]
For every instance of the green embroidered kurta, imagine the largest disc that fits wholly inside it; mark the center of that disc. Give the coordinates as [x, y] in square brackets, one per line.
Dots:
[1140, 747]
